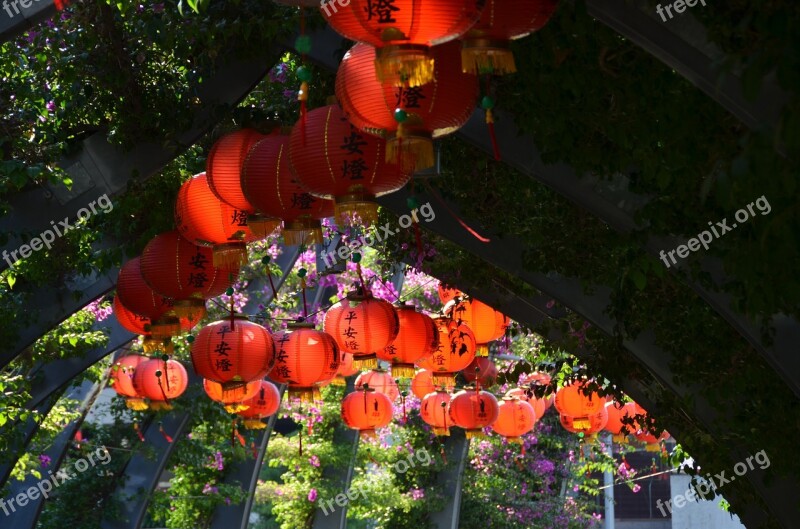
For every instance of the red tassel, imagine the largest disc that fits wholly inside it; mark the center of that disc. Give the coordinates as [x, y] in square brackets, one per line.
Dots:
[239, 436]
[254, 448]
[233, 325]
[272, 284]
[138, 431]
[452, 214]
[444, 456]
[164, 433]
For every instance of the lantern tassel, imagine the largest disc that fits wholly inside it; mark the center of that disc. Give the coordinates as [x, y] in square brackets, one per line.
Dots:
[153, 405]
[254, 449]
[138, 431]
[272, 284]
[239, 436]
[452, 214]
[164, 433]
[492, 135]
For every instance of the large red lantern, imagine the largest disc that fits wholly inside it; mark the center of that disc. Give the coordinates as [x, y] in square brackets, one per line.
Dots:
[418, 337]
[224, 167]
[486, 46]
[487, 323]
[403, 32]
[366, 410]
[263, 404]
[587, 424]
[643, 432]
[448, 293]
[473, 410]
[233, 353]
[182, 271]
[362, 325]
[515, 418]
[271, 187]
[408, 117]
[205, 220]
[422, 384]
[231, 398]
[539, 405]
[334, 160]
[137, 296]
[122, 380]
[381, 381]
[455, 351]
[306, 358]
[129, 320]
[572, 401]
[481, 369]
[156, 337]
[433, 410]
[615, 416]
[160, 381]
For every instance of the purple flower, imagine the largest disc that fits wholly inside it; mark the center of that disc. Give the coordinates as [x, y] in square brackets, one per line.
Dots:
[314, 460]
[218, 461]
[290, 94]
[636, 488]
[158, 8]
[227, 501]
[417, 494]
[312, 495]
[45, 460]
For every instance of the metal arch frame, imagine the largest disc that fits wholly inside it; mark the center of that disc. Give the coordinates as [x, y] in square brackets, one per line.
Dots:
[505, 254]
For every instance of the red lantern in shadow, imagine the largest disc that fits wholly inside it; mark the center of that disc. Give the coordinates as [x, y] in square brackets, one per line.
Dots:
[122, 380]
[515, 418]
[381, 381]
[473, 410]
[455, 351]
[263, 404]
[224, 167]
[403, 31]
[332, 159]
[433, 410]
[447, 293]
[615, 416]
[366, 410]
[417, 338]
[487, 323]
[409, 118]
[306, 358]
[422, 384]
[270, 186]
[481, 369]
[160, 381]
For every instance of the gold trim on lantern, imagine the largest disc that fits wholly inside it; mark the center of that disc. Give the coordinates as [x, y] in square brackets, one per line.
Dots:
[160, 405]
[236, 408]
[303, 230]
[193, 308]
[152, 345]
[619, 438]
[339, 380]
[443, 379]
[357, 202]
[652, 447]
[366, 362]
[482, 350]
[230, 255]
[475, 433]
[514, 440]
[254, 424]
[165, 327]
[404, 64]
[403, 370]
[261, 225]
[441, 431]
[416, 147]
[136, 404]
[305, 394]
[485, 55]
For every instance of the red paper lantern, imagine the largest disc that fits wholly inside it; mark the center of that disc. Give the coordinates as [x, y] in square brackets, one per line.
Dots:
[455, 351]
[487, 45]
[306, 358]
[231, 398]
[160, 381]
[346, 369]
[129, 320]
[615, 416]
[263, 404]
[233, 355]
[418, 337]
[122, 380]
[487, 323]
[539, 405]
[332, 159]
[381, 381]
[408, 117]
[586, 424]
[473, 411]
[403, 32]
[362, 325]
[447, 293]
[571, 401]
[366, 410]
[155, 337]
[224, 167]
[182, 271]
[205, 220]
[271, 187]
[482, 369]
[422, 384]
[643, 432]
[433, 410]
[515, 418]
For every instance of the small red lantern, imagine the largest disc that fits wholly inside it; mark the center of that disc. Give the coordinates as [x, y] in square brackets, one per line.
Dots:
[403, 32]
[362, 325]
[306, 358]
[366, 410]
[205, 220]
[515, 418]
[270, 186]
[231, 398]
[346, 369]
[332, 159]
[160, 381]
[487, 323]
[615, 416]
[482, 369]
[135, 294]
[455, 351]
[433, 410]
[129, 320]
[379, 380]
[182, 271]
[586, 424]
[122, 380]
[233, 354]
[408, 117]
[572, 401]
[422, 384]
[486, 46]
[473, 410]
[224, 167]
[263, 404]
[643, 432]
[447, 293]
[539, 405]
[417, 338]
